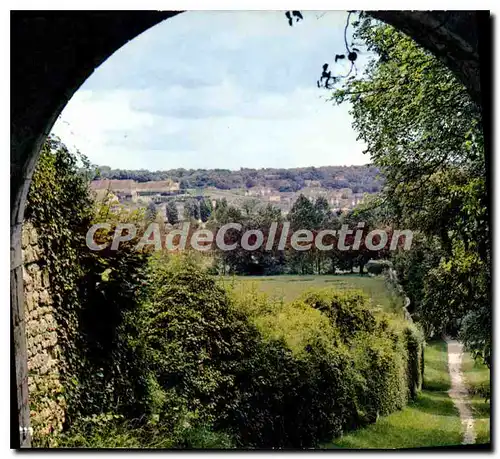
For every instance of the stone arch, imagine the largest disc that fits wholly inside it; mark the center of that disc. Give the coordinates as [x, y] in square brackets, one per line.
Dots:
[53, 53]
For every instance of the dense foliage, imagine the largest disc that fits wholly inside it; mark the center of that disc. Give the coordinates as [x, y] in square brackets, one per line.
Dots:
[425, 134]
[312, 215]
[172, 214]
[270, 375]
[93, 292]
[349, 363]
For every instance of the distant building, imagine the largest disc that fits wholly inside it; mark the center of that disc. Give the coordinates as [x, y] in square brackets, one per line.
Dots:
[258, 191]
[122, 189]
[157, 187]
[130, 190]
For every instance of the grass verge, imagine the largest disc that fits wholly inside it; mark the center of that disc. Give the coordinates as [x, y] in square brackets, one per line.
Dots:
[477, 378]
[430, 420]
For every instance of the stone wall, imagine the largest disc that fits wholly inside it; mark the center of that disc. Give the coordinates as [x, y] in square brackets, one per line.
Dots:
[47, 405]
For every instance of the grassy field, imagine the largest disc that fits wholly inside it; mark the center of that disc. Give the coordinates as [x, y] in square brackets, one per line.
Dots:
[288, 288]
[477, 375]
[431, 420]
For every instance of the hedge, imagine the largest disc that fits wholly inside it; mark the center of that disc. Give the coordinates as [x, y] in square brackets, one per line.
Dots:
[386, 352]
[248, 372]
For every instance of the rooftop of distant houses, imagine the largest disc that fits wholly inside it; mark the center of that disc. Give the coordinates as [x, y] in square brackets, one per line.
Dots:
[133, 186]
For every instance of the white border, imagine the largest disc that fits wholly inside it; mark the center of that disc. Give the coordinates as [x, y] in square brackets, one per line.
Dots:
[186, 5]
[251, 5]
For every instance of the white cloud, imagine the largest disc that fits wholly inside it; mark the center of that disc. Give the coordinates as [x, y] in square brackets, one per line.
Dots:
[238, 92]
[271, 131]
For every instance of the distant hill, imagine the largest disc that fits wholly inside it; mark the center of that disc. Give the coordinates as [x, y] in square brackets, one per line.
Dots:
[360, 179]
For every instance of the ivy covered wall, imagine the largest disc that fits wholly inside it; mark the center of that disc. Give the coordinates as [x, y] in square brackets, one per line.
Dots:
[80, 360]
[47, 402]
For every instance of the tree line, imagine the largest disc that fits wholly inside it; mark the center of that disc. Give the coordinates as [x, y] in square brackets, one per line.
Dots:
[360, 179]
[313, 216]
[425, 134]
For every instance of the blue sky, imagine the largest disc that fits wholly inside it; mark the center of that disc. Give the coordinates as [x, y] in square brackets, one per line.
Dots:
[216, 90]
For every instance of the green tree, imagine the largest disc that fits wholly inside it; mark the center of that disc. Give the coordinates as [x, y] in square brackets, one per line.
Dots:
[303, 216]
[172, 213]
[151, 212]
[242, 261]
[322, 209]
[425, 134]
[191, 209]
[205, 210]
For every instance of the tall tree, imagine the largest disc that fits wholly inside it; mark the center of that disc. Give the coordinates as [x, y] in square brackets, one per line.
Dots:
[191, 210]
[172, 213]
[303, 216]
[424, 132]
[205, 210]
[151, 212]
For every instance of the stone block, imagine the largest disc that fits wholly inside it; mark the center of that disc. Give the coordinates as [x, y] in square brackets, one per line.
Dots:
[29, 300]
[33, 236]
[44, 297]
[29, 255]
[25, 239]
[45, 278]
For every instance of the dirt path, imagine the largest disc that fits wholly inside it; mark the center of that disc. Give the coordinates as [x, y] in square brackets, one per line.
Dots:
[458, 391]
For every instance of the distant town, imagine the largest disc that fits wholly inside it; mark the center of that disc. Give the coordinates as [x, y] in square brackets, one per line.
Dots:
[343, 187]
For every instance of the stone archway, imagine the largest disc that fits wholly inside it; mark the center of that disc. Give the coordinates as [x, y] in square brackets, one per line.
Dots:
[53, 53]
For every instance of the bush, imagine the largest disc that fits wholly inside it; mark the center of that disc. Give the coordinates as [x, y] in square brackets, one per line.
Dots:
[386, 353]
[196, 339]
[382, 380]
[302, 393]
[347, 310]
[414, 341]
[112, 431]
[221, 371]
[330, 365]
[269, 379]
[377, 267]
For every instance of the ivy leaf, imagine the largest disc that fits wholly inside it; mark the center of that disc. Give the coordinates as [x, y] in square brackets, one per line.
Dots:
[105, 275]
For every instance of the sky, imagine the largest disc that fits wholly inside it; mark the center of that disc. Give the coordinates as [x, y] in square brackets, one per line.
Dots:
[216, 90]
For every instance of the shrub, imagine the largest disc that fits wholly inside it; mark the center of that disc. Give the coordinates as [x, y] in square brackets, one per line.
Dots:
[377, 267]
[196, 339]
[382, 379]
[221, 371]
[286, 401]
[270, 379]
[337, 364]
[347, 310]
[303, 392]
[386, 352]
[414, 341]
